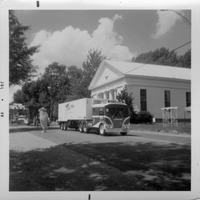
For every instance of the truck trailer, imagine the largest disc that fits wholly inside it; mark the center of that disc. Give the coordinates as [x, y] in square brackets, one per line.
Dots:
[105, 116]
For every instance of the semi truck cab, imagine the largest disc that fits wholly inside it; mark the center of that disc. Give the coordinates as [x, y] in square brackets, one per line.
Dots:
[108, 117]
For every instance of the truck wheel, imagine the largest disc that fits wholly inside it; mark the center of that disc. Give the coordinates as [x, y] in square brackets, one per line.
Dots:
[102, 130]
[123, 133]
[85, 128]
[80, 128]
[62, 126]
[65, 126]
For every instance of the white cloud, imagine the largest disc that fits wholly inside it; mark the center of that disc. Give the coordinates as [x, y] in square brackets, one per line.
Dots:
[166, 20]
[70, 46]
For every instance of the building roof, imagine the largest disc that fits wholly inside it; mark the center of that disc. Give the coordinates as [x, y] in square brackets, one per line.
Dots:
[152, 70]
[110, 70]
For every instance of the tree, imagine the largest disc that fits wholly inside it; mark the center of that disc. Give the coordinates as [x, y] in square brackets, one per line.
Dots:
[30, 95]
[56, 79]
[47, 91]
[57, 82]
[160, 56]
[90, 66]
[18, 96]
[79, 79]
[20, 63]
[75, 76]
[126, 97]
[163, 56]
[185, 60]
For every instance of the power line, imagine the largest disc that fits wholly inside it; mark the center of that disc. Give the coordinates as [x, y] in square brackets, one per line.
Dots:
[151, 63]
[180, 46]
[188, 22]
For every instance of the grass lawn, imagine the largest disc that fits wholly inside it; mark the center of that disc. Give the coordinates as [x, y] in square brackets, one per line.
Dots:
[108, 167]
[183, 128]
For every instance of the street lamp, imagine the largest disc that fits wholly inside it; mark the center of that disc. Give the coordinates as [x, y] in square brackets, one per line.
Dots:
[182, 16]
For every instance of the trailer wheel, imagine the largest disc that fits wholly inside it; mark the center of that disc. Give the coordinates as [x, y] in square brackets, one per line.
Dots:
[80, 127]
[102, 129]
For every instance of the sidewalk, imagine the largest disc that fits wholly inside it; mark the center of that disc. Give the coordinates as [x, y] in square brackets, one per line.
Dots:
[25, 141]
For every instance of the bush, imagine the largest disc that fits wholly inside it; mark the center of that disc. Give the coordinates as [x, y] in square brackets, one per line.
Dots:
[141, 117]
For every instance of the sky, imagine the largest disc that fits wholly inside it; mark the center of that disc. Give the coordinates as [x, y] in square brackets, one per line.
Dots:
[66, 36]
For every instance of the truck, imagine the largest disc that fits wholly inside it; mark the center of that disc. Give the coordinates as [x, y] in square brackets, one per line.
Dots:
[88, 114]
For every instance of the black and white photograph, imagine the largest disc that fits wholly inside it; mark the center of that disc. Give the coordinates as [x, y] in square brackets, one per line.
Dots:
[100, 102]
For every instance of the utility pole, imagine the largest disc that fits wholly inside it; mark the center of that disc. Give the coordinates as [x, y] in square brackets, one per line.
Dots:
[51, 100]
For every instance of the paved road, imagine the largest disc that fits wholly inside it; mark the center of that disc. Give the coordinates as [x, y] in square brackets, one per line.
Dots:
[26, 137]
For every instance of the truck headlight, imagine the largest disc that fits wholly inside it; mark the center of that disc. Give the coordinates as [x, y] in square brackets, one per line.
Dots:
[126, 126]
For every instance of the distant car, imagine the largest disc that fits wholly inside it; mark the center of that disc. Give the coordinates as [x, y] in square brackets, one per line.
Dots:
[15, 121]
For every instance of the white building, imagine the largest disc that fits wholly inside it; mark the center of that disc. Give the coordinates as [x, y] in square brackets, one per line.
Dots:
[152, 86]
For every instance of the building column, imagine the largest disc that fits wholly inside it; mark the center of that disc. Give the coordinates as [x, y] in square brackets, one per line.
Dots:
[100, 95]
[111, 94]
[115, 94]
[94, 96]
[106, 95]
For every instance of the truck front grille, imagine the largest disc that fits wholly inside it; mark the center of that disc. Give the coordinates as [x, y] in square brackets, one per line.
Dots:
[117, 123]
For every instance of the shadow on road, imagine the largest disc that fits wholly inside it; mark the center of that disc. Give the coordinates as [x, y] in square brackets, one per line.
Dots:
[107, 166]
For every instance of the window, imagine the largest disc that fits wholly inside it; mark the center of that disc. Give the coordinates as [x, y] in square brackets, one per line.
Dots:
[188, 99]
[96, 111]
[143, 100]
[167, 98]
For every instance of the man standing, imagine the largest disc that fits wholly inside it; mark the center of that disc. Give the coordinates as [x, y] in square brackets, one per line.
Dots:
[43, 119]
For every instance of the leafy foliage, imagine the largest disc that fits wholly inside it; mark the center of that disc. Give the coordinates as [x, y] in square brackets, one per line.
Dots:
[20, 63]
[80, 79]
[31, 92]
[90, 67]
[128, 99]
[18, 96]
[58, 84]
[163, 56]
[142, 117]
[75, 76]
[185, 60]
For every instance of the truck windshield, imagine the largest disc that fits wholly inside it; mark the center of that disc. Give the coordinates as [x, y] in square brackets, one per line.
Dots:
[117, 111]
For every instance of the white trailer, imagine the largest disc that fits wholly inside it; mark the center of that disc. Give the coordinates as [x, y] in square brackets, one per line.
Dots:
[71, 113]
[87, 114]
